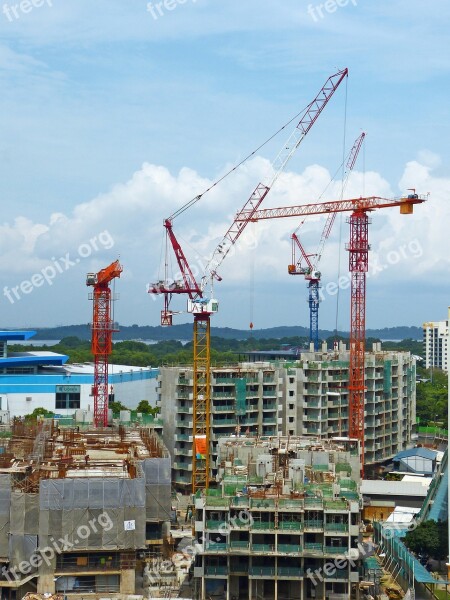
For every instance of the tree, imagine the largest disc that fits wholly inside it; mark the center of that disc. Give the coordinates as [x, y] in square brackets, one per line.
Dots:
[116, 407]
[145, 408]
[39, 412]
[431, 538]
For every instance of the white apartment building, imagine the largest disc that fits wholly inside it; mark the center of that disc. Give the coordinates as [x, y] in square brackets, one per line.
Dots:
[435, 344]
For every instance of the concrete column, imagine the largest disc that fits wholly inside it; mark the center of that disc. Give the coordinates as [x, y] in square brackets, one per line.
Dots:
[127, 581]
[46, 583]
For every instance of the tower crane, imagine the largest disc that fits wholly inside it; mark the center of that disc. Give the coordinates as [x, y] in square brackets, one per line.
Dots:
[358, 249]
[202, 306]
[309, 268]
[102, 330]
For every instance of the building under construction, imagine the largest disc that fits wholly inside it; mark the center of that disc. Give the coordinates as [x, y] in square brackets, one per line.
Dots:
[307, 396]
[80, 509]
[284, 523]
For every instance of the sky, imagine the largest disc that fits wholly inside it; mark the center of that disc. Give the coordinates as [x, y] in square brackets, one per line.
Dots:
[115, 114]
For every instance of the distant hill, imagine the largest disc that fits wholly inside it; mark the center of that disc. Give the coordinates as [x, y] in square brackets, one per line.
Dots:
[184, 332]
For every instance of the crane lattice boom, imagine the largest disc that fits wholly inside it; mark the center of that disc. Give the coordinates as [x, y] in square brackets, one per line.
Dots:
[308, 119]
[368, 204]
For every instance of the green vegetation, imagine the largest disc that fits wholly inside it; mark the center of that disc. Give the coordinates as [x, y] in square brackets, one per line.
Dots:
[144, 408]
[430, 537]
[432, 397]
[39, 412]
[171, 352]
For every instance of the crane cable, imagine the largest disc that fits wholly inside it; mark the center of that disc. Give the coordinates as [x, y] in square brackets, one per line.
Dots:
[194, 200]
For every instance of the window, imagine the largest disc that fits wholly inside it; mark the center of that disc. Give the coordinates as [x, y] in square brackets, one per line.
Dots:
[291, 432]
[65, 400]
[291, 393]
[291, 419]
[291, 406]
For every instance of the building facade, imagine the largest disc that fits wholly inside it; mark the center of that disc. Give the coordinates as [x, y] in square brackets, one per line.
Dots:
[245, 399]
[308, 396]
[285, 522]
[44, 379]
[435, 344]
[315, 398]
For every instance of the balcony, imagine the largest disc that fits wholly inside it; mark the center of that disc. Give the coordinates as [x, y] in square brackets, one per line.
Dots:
[215, 547]
[218, 570]
[263, 525]
[313, 525]
[229, 421]
[264, 548]
[290, 549]
[224, 408]
[312, 547]
[336, 527]
[335, 549]
[290, 525]
[286, 572]
[239, 546]
[214, 524]
[261, 572]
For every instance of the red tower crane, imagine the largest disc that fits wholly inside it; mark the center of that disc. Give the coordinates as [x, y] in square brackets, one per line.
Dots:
[358, 265]
[201, 307]
[102, 330]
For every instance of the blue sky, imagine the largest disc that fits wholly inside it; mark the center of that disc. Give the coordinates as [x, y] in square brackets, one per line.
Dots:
[112, 118]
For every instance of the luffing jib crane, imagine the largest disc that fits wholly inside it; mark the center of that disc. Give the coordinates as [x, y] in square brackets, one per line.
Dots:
[308, 264]
[102, 330]
[358, 248]
[203, 307]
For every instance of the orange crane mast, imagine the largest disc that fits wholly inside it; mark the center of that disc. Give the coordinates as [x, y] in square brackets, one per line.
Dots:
[358, 248]
[102, 330]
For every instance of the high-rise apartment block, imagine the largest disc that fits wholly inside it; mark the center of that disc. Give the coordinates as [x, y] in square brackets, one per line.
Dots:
[435, 344]
[308, 396]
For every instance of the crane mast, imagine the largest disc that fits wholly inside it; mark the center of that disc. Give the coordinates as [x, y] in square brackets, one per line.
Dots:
[202, 307]
[311, 272]
[358, 248]
[102, 330]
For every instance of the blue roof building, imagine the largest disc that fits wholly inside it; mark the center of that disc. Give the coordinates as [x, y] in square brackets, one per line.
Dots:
[44, 379]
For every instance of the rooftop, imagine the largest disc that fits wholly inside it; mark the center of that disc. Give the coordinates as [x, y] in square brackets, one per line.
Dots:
[16, 335]
[42, 450]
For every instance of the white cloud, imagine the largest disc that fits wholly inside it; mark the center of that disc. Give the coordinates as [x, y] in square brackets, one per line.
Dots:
[133, 214]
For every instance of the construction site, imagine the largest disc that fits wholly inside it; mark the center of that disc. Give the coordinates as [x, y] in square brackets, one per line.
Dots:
[81, 511]
[269, 456]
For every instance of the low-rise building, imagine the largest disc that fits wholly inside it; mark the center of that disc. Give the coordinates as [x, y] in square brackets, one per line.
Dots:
[44, 379]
